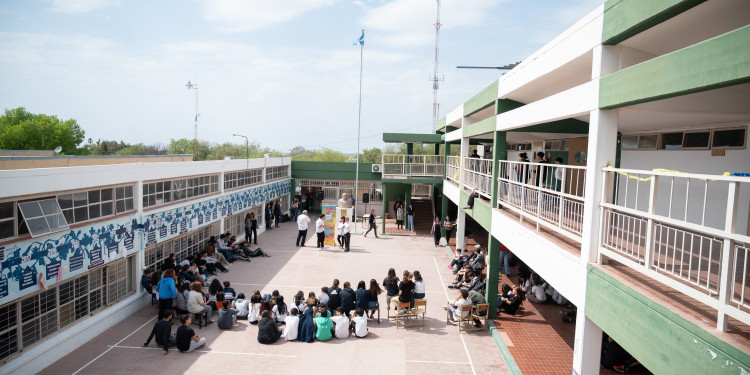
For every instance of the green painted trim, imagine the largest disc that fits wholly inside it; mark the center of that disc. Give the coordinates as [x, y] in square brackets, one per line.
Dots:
[413, 180]
[333, 170]
[711, 64]
[485, 126]
[449, 129]
[440, 124]
[482, 100]
[481, 213]
[493, 268]
[662, 340]
[626, 18]
[411, 138]
[504, 351]
[505, 105]
[569, 125]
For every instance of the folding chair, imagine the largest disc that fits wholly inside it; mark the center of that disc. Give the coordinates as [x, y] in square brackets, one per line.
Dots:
[463, 322]
[481, 313]
[403, 314]
[367, 310]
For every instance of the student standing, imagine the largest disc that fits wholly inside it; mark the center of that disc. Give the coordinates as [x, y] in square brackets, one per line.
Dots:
[186, 339]
[303, 221]
[320, 232]
[277, 213]
[269, 216]
[167, 291]
[410, 218]
[251, 228]
[347, 233]
[400, 217]
[436, 231]
[373, 226]
[448, 226]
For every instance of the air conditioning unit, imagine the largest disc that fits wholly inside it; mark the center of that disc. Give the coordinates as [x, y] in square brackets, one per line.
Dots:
[377, 168]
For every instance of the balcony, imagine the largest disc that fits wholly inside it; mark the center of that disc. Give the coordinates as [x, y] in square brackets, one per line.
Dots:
[477, 172]
[413, 166]
[551, 196]
[680, 229]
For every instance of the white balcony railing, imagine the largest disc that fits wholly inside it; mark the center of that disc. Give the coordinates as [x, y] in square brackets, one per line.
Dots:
[407, 166]
[478, 173]
[549, 194]
[453, 169]
[681, 230]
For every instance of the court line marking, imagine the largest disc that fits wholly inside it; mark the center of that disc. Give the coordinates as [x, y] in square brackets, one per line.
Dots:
[110, 348]
[460, 334]
[438, 362]
[207, 351]
[337, 252]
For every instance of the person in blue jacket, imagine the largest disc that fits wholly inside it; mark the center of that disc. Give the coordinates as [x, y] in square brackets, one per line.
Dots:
[363, 297]
[166, 290]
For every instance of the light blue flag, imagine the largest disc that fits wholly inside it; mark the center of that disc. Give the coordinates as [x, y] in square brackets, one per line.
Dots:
[361, 40]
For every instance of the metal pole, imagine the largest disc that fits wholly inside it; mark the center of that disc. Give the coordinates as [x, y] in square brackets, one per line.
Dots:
[359, 124]
[195, 130]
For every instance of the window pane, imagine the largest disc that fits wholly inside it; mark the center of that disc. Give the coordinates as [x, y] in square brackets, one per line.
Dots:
[119, 193]
[56, 222]
[647, 141]
[671, 141]
[107, 209]
[49, 206]
[697, 139]
[729, 138]
[6, 229]
[6, 210]
[94, 196]
[128, 204]
[65, 201]
[37, 225]
[94, 211]
[151, 200]
[128, 191]
[120, 206]
[68, 214]
[630, 142]
[30, 209]
[79, 199]
[80, 214]
[7, 317]
[106, 195]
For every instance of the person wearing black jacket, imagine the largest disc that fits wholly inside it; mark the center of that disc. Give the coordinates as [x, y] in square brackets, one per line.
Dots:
[277, 213]
[373, 226]
[268, 332]
[334, 296]
[268, 216]
[348, 299]
[163, 332]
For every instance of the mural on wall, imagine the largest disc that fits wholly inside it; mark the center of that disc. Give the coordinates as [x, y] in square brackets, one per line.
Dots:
[34, 264]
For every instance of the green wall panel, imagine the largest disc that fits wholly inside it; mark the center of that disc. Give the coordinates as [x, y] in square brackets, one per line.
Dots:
[481, 213]
[505, 105]
[625, 18]
[485, 126]
[482, 100]
[333, 170]
[661, 340]
[411, 138]
[568, 125]
[713, 63]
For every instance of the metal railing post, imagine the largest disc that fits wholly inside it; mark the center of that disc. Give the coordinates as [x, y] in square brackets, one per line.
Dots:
[730, 225]
[649, 250]
[561, 199]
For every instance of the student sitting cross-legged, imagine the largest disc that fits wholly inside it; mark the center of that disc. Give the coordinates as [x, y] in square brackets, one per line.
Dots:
[163, 332]
[186, 339]
[341, 324]
[359, 323]
[291, 325]
[268, 332]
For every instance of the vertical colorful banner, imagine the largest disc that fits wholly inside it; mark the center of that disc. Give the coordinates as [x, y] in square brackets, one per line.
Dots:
[330, 224]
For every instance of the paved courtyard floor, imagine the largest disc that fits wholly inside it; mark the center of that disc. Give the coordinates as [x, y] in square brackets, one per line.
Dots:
[436, 348]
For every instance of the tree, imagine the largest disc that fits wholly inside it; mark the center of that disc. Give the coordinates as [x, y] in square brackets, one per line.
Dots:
[372, 155]
[22, 130]
[184, 146]
[329, 155]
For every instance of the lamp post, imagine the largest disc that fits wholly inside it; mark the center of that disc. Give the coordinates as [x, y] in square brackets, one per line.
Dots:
[247, 150]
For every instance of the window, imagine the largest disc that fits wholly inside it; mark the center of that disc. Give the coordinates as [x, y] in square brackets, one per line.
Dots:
[183, 246]
[162, 192]
[86, 205]
[554, 145]
[33, 318]
[7, 219]
[235, 224]
[629, 142]
[671, 141]
[242, 178]
[696, 140]
[648, 141]
[273, 173]
[124, 199]
[42, 216]
[730, 138]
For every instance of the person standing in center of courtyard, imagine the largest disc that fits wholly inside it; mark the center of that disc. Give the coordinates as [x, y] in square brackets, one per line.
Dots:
[303, 221]
[277, 213]
[373, 226]
[320, 232]
[268, 216]
[410, 218]
[436, 231]
[347, 233]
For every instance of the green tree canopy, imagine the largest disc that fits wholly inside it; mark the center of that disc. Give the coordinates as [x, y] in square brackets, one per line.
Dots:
[371, 155]
[22, 130]
[184, 146]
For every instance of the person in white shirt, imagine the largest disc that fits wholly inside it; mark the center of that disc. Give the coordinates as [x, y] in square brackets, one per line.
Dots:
[419, 288]
[291, 325]
[303, 221]
[347, 233]
[254, 316]
[537, 291]
[558, 174]
[243, 306]
[340, 228]
[359, 323]
[320, 231]
[455, 307]
[341, 324]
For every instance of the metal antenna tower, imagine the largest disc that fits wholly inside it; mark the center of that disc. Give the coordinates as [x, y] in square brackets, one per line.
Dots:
[435, 79]
[194, 86]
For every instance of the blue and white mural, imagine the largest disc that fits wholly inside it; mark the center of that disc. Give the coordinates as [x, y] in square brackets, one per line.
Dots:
[34, 264]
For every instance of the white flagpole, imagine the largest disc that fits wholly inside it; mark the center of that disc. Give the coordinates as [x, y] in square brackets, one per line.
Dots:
[359, 125]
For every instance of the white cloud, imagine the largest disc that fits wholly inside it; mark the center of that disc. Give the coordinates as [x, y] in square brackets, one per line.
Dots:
[407, 23]
[75, 7]
[236, 16]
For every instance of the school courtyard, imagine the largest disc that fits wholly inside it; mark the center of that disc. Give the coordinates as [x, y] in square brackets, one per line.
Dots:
[436, 348]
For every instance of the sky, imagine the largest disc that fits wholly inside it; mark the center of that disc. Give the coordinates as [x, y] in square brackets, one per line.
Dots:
[283, 73]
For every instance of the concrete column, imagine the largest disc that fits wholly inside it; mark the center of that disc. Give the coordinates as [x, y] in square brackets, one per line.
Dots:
[460, 228]
[492, 271]
[588, 345]
[464, 153]
[498, 153]
[385, 205]
[444, 203]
